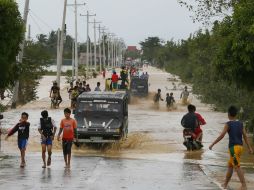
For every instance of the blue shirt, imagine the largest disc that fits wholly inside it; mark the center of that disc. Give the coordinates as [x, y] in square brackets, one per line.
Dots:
[235, 132]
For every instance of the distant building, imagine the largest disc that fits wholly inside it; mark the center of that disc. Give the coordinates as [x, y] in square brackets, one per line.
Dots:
[132, 49]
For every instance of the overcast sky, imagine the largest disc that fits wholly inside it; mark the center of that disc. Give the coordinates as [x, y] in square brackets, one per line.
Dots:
[132, 20]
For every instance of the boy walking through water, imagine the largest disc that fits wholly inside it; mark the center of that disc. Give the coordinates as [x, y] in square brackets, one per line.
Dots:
[23, 134]
[236, 133]
[47, 129]
[69, 128]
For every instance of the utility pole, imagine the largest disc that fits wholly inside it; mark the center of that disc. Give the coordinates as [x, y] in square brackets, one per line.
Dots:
[88, 42]
[101, 31]
[95, 44]
[20, 57]
[76, 35]
[112, 52]
[73, 61]
[103, 48]
[60, 58]
[108, 38]
[100, 46]
[29, 33]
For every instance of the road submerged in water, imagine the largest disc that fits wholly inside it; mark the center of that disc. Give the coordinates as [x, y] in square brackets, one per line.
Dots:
[152, 157]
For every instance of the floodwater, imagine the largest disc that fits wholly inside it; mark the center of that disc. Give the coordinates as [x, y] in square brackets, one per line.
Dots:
[152, 157]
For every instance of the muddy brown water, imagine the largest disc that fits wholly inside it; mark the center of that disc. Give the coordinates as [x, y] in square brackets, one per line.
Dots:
[155, 133]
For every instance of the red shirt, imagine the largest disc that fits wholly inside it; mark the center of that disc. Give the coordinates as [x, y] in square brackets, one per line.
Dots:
[68, 126]
[114, 78]
[201, 121]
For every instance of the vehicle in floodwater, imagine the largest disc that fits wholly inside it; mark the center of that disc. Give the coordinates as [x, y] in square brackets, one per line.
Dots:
[139, 87]
[102, 117]
[189, 140]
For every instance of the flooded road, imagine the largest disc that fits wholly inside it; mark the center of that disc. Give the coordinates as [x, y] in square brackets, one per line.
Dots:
[152, 157]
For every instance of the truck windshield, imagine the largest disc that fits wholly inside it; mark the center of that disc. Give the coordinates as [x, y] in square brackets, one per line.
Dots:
[99, 106]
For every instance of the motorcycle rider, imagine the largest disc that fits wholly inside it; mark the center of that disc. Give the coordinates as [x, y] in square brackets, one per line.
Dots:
[55, 93]
[190, 121]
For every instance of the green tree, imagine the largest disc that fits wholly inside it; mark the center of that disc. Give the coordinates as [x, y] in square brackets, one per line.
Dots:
[11, 30]
[204, 10]
[36, 58]
[150, 48]
[235, 56]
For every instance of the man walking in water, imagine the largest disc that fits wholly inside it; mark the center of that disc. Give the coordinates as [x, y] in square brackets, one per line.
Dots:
[157, 98]
[236, 133]
[184, 96]
[47, 129]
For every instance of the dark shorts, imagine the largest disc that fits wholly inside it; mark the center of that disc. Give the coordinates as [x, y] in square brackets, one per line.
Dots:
[22, 143]
[66, 147]
[47, 141]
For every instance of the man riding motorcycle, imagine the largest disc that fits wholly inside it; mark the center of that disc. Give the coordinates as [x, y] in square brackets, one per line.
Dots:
[190, 124]
[55, 93]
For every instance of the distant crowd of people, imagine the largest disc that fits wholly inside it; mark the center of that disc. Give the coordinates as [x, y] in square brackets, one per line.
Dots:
[170, 100]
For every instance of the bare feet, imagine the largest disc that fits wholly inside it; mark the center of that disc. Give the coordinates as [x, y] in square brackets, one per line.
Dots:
[49, 161]
[224, 186]
[22, 165]
[243, 188]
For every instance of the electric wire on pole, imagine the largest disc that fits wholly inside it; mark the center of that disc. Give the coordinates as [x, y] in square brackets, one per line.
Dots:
[88, 43]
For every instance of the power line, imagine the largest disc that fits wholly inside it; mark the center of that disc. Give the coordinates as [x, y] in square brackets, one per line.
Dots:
[35, 22]
[41, 20]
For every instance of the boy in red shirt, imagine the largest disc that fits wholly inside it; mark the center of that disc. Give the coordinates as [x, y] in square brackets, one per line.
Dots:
[69, 128]
[114, 80]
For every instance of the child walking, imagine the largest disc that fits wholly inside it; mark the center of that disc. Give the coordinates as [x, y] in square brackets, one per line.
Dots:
[236, 133]
[23, 134]
[69, 128]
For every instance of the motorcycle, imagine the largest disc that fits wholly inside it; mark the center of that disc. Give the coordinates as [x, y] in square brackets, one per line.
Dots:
[190, 140]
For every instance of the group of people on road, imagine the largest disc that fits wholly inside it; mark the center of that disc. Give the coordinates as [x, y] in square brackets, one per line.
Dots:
[79, 88]
[170, 100]
[124, 77]
[47, 130]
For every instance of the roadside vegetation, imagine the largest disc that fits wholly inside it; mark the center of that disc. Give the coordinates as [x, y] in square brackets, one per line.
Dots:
[218, 62]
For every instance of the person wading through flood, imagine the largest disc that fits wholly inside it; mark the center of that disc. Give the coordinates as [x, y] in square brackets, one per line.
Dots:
[170, 100]
[23, 134]
[236, 133]
[47, 129]
[157, 98]
[184, 95]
